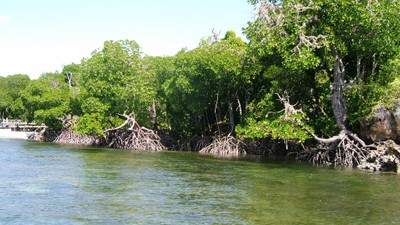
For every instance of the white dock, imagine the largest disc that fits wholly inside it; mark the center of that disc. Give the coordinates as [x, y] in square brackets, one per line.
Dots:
[16, 129]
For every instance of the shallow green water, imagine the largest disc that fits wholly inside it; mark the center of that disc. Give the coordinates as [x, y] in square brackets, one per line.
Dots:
[52, 184]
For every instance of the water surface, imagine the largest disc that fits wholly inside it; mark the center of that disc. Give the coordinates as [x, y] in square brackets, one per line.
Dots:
[53, 184]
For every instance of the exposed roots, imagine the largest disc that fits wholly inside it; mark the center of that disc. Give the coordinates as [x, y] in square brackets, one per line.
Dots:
[38, 134]
[168, 141]
[130, 135]
[67, 136]
[255, 146]
[344, 149]
[385, 157]
[195, 143]
[225, 147]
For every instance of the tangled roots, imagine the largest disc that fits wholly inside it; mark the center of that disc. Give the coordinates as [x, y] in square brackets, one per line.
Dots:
[225, 147]
[134, 137]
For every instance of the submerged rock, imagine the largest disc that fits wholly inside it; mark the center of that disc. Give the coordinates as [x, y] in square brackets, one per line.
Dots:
[386, 157]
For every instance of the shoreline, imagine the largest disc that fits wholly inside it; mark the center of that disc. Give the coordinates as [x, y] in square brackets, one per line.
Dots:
[384, 158]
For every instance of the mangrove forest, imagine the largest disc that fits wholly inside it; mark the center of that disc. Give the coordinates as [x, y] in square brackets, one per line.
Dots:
[315, 80]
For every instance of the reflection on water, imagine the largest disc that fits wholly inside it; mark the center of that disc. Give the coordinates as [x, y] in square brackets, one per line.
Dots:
[53, 184]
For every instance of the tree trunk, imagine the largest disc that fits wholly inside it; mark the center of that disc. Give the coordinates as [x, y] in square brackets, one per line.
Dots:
[153, 115]
[69, 79]
[338, 101]
[217, 114]
[231, 119]
[346, 148]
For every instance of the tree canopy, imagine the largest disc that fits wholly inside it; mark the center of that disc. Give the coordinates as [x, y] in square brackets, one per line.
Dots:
[344, 41]
[10, 87]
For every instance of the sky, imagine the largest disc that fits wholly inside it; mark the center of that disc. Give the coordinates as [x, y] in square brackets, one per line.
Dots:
[38, 36]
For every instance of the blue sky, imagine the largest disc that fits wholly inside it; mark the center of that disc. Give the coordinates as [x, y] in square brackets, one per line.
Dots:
[43, 35]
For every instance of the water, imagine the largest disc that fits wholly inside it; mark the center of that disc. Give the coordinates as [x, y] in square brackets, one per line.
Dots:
[52, 184]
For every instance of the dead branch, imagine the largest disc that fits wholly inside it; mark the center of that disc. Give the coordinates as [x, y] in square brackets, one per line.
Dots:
[274, 17]
[215, 35]
[127, 121]
[310, 41]
[289, 109]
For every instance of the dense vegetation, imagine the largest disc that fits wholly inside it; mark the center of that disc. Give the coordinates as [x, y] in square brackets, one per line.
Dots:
[310, 68]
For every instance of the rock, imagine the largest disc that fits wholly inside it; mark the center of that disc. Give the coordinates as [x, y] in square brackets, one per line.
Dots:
[386, 157]
[383, 124]
[396, 117]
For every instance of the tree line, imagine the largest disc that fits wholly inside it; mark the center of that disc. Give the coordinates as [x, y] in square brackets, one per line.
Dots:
[310, 68]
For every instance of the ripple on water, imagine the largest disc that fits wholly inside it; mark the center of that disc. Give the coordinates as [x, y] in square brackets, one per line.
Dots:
[52, 184]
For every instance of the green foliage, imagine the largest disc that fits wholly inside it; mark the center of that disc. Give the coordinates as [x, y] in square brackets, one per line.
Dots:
[10, 88]
[205, 79]
[93, 120]
[381, 89]
[6, 102]
[94, 105]
[227, 81]
[299, 38]
[115, 76]
[51, 117]
[91, 124]
[18, 108]
[293, 127]
[76, 97]
[45, 100]
[159, 70]
[73, 74]
[389, 91]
